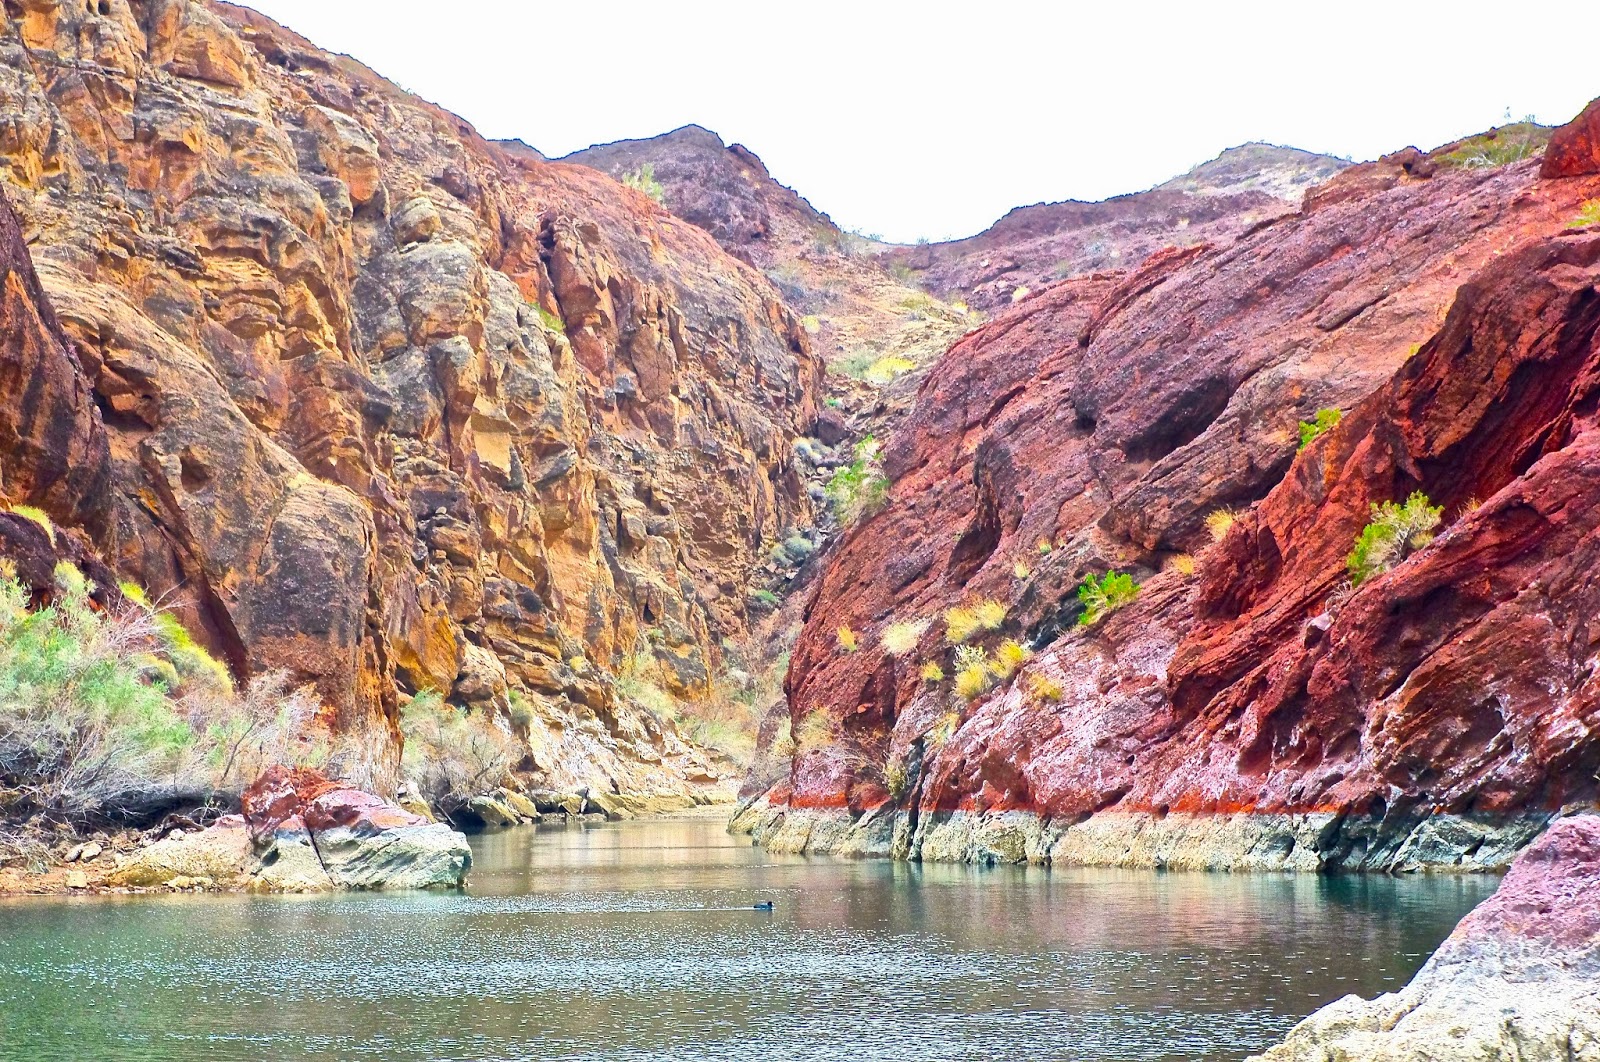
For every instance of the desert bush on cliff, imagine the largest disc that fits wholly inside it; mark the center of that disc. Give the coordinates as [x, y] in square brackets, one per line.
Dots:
[1395, 532]
[452, 755]
[38, 516]
[84, 732]
[1324, 420]
[1499, 147]
[848, 642]
[1105, 595]
[1219, 522]
[1008, 659]
[1045, 688]
[973, 674]
[900, 638]
[1588, 215]
[92, 723]
[644, 180]
[859, 489]
[932, 672]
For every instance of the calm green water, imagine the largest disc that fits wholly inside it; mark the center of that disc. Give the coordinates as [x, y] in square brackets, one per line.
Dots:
[602, 942]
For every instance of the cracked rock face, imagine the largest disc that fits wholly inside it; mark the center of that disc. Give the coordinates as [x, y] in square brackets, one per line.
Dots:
[1519, 977]
[368, 398]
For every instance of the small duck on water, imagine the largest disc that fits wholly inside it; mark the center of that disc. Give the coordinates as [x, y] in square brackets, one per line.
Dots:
[764, 905]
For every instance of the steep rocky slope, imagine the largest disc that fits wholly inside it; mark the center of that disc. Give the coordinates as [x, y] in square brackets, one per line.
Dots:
[378, 401]
[1256, 712]
[1036, 245]
[876, 330]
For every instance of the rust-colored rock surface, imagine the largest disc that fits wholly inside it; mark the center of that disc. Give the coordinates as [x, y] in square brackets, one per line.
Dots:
[1033, 246]
[385, 404]
[1574, 149]
[53, 449]
[1434, 716]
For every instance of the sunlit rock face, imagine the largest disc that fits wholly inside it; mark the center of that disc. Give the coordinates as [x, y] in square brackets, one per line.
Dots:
[379, 402]
[1247, 708]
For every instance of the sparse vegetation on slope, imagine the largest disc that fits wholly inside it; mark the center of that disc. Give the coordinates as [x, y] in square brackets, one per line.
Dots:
[1396, 531]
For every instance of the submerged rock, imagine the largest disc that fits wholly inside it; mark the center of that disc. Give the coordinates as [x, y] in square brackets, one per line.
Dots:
[1519, 978]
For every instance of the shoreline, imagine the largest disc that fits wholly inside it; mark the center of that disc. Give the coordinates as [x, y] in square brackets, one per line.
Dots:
[1312, 842]
[62, 878]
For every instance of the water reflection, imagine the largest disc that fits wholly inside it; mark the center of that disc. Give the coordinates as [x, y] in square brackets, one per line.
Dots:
[616, 942]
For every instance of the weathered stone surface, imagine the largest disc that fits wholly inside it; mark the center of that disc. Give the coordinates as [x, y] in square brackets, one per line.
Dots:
[223, 854]
[1106, 417]
[53, 448]
[1574, 149]
[1519, 977]
[379, 396]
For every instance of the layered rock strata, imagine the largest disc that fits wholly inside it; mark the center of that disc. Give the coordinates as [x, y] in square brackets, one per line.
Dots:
[1248, 708]
[365, 397]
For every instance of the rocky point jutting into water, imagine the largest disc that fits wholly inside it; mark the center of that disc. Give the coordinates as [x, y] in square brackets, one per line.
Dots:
[359, 395]
[1249, 707]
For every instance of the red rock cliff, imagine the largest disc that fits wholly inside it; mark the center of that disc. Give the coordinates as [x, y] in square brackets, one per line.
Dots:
[1253, 713]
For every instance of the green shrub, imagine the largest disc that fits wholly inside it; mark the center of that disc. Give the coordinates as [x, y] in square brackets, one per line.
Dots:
[82, 730]
[765, 599]
[1588, 214]
[1499, 147]
[644, 180]
[1105, 595]
[896, 779]
[452, 755]
[859, 489]
[1394, 533]
[1310, 429]
[551, 321]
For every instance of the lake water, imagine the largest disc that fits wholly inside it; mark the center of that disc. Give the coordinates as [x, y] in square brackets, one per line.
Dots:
[606, 942]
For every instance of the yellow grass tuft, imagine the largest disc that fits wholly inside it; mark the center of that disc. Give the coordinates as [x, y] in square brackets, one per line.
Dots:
[1219, 521]
[1183, 564]
[848, 642]
[990, 614]
[1011, 655]
[972, 681]
[932, 672]
[1045, 688]
[898, 639]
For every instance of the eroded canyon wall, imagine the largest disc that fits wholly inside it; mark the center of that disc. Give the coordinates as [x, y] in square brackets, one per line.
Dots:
[1248, 708]
[383, 403]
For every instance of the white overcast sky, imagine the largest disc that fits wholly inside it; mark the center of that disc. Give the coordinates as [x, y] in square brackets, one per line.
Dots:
[924, 119]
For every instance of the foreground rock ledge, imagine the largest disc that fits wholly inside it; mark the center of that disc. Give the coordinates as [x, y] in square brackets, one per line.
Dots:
[1518, 979]
[301, 832]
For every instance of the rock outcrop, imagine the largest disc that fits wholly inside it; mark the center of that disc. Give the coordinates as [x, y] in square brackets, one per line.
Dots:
[1247, 709]
[365, 397]
[1519, 978]
[1034, 246]
[876, 330]
[301, 832]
